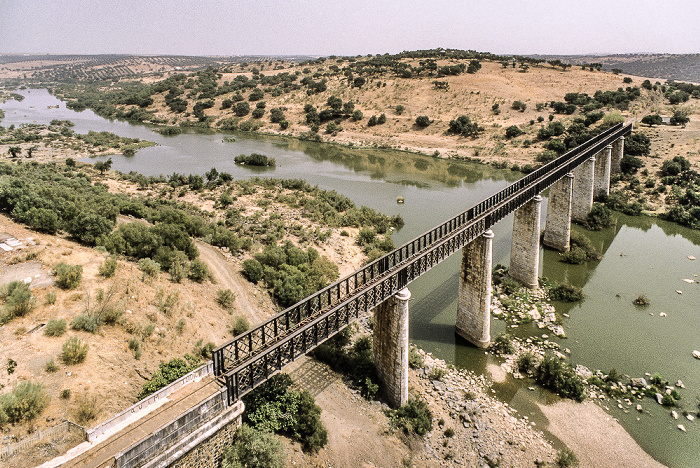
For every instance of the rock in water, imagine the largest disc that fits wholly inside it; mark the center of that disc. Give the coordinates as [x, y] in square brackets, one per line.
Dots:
[659, 398]
[696, 354]
[674, 414]
[681, 427]
[639, 383]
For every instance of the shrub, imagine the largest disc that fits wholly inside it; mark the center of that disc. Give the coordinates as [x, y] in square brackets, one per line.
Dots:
[527, 363]
[65, 393]
[18, 299]
[74, 351]
[599, 217]
[566, 457]
[50, 366]
[254, 449]
[55, 327]
[108, 268]
[641, 300]
[204, 351]
[503, 344]
[239, 325]
[513, 131]
[566, 293]
[415, 360]
[50, 297]
[86, 322]
[24, 403]
[86, 409]
[168, 372]
[423, 121]
[198, 271]
[413, 418]
[560, 377]
[149, 268]
[225, 298]
[68, 276]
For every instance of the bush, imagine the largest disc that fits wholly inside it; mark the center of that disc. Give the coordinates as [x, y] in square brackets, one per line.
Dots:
[108, 268]
[637, 144]
[527, 363]
[149, 268]
[18, 300]
[74, 351]
[599, 217]
[50, 297]
[55, 327]
[503, 344]
[253, 270]
[513, 131]
[239, 325]
[641, 300]
[566, 458]
[423, 121]
[68, 276]
[86, 322]
[560, 377]
[50, 366]
[566, 293]
[413, 418]
[225, 298]
[254, 449]
[199, 271]
[86, 409]
[415, 360]
[168, 372]
[24, 403]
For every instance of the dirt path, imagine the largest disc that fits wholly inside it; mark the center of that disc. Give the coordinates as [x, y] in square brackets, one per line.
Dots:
[249, 303]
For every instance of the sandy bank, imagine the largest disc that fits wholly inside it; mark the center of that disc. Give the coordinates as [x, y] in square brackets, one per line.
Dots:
[594, 436]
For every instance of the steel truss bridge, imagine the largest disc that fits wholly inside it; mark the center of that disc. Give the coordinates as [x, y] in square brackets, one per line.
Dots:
[252, 357]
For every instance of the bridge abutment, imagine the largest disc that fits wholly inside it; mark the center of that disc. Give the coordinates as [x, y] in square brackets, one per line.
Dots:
[525, 245]
[584, 177]
[473, 321]
[602, 172]
[618, 150]
[390, 347]
[557, 231]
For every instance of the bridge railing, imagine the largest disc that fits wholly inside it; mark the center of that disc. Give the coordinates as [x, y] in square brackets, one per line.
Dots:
[247, 344]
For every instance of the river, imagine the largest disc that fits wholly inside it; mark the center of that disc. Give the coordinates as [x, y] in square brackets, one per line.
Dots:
[642, 256]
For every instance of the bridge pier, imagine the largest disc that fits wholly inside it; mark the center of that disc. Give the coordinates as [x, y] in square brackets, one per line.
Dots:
[390, 347]
[525, 245]
[557, 232]
[584, 177]
[473, 321]
[602, 172]
[618, 150]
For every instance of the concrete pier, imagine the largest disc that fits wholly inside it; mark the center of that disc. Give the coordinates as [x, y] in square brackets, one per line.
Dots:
[584, 177]
[618, 150]
[602, 172]
[525, 246]
[390, 347]
[557, 231]
[473, 321]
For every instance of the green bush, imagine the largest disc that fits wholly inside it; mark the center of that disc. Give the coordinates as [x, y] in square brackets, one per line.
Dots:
[273, 406]
[50, 366]
[254, 449]
[18, 300]
[560, 377]
[168, 372]
[413, 418]
[239, 325]
[24, 403]
[108, 268]
[55, 327]
[225, 298]
[149, 268]
[566, 293]
[50, 297]
[503, 344]
[68, 276]
[566, 458]
[199, 271]
[74, 351]
[415, 360]
[599, 217]
[86, 322]
[527, 363]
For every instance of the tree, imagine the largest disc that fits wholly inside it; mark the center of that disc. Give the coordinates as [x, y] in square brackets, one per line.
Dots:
[335, 103]
[519, 106]
[680, 117]
[474, 66]
[14, 151]
[652, 119]
[357, 115]
[381, 119]
[463, 125]
[103, 166]
[513, 131]
[242, 108]
[372, 121]
[423, 121]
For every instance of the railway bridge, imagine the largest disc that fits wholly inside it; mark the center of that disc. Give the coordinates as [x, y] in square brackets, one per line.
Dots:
[194, 415]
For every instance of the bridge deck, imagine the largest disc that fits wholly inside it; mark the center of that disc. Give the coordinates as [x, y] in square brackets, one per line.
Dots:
[101, 453]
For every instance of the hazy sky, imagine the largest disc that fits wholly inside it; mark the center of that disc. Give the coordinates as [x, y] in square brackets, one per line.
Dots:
[349, 27]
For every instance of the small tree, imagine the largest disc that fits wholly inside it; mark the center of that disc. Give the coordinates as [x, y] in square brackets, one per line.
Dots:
[103, 166]
[423, 121]
[513, 131]
[652, 119]
[680, 117]
[14, 151]
[68, 276]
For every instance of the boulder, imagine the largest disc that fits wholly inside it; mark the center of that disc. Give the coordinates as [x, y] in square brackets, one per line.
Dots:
[696, 354]
[638, 382]
[659, 398]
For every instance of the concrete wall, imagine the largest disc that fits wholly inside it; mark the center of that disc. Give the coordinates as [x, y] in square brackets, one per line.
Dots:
[618, 148]
[602, 172]
[172, 441]
[473, 321]
[208, 453]
[390, 347]
[525, 245]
